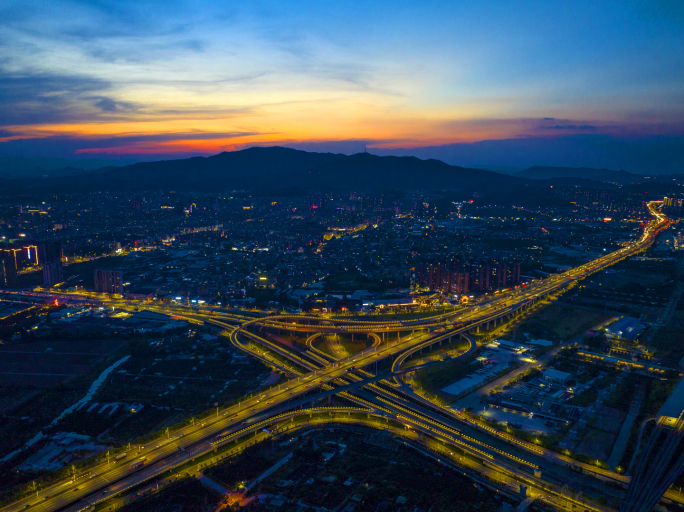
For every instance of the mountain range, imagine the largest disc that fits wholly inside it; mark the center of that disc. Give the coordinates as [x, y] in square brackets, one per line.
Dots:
[267, 169]
[22, 167]
[605, 175]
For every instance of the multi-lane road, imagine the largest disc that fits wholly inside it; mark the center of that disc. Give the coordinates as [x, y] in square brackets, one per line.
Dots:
[317, 375]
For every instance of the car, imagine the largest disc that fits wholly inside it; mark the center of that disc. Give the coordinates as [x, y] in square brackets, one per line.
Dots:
[550, 424]
[104, 492]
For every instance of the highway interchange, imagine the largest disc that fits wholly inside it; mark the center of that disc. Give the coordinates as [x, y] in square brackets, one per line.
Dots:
[384, 400]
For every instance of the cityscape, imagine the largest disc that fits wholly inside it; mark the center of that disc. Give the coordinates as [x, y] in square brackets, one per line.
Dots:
[250, 260]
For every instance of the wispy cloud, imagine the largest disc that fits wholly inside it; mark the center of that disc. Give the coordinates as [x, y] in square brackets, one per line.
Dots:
[160, 143]
[30, 98]
[582, 127]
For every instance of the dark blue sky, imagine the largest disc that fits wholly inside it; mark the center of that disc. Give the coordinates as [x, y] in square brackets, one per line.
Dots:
[557, 83]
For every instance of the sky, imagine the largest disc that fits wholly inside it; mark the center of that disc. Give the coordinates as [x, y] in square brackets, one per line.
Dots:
[165, 79]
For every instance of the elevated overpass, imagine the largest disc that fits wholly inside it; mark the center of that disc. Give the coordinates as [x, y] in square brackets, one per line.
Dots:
[320, 378]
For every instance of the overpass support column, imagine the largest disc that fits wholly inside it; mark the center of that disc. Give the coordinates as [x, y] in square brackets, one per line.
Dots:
[383, 336]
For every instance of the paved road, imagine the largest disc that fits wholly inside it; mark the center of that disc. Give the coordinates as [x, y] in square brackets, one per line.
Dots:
[193, 441]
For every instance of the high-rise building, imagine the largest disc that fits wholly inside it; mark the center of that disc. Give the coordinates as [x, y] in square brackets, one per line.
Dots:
[108, 281]
[29, 253]
[48, 252]
[8, 272]
[455, 277]
[52, 273]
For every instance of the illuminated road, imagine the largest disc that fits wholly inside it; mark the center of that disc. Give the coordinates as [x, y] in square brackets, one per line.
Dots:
[316, 375]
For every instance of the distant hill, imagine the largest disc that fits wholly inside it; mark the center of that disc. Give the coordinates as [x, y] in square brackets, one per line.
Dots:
[577, 182]
[370, 171]
[264, 169]
[253, 167]
[21, 167]
[605, 175]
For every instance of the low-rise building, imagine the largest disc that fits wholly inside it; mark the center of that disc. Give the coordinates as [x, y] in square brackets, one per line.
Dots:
[556, 376]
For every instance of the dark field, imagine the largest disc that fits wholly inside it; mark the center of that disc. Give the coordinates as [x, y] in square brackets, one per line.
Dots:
[48, 364]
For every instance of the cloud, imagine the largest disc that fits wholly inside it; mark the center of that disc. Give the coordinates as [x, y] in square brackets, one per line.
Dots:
[6, 133]
[347, 147]
[161, 137]
[569, 127]
[107, 104]
[40, 98]
[68, 146]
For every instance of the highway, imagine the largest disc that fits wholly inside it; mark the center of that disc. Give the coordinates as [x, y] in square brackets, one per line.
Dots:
[316, 375]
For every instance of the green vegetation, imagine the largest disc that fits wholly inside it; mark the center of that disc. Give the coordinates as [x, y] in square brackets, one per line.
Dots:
[584, 399]
[352, 280]
[668, 341]
[558, 322]
[378, 471]
[245, 467]
[656, 392]
[439, 376]
[352, 347]
[401, 314]
[186, 495]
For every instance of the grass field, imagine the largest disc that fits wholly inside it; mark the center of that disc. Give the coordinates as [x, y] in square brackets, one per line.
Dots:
[557, 322]
[668, 341]
[436, 377]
